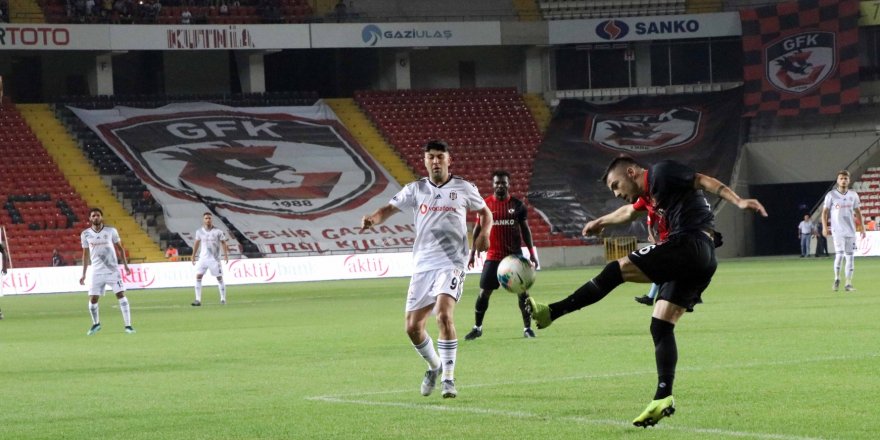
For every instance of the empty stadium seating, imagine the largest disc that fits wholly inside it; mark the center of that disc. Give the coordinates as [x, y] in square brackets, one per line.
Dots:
[578, 9]
[41, 211]
[246, 12]
[487, 129]
[868, 188]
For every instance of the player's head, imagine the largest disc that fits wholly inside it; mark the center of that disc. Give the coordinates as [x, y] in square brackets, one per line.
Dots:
[501, 183]
[843, 180]
[806, 217]
[623, 178]
[208, 220]
[437, 160]
[96, 217]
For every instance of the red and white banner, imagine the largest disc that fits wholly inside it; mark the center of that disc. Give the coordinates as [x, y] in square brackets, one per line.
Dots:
[290, 179]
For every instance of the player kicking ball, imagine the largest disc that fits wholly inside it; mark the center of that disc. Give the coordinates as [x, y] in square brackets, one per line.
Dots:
[683, 265]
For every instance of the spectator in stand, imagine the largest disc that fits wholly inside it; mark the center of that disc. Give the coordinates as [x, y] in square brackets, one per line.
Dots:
[224, 9]
[821, 241]
[806, 231]
[3, 13]
[871, 224]
[185, 17]
[341, 11]
[171, 253]
[57, 259]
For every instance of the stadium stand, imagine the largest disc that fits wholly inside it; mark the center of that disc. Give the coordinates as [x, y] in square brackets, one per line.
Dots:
[854, 123]
[868, 188]
[488, 129]
[575, 9]
[126, 11]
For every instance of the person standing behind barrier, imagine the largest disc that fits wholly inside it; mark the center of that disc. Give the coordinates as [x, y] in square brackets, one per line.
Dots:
[841, 209]
[821, 241]
[805, 231]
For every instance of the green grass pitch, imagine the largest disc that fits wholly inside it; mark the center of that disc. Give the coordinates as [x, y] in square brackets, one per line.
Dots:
[772, 354]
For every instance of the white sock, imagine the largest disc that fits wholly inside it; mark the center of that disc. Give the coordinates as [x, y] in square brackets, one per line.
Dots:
[426, 349]
[850, 267]
[93, 310]
[838, 258]
[199, 290]
[448, 350]
[126, 311]
[222, 287]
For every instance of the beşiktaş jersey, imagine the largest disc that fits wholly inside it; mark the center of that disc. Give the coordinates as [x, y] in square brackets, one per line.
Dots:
[209, 247]
[440, 216]
[101, 250]
[840, 209]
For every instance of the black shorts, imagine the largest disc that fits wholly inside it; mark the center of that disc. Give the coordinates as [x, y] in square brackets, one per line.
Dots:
[683, 267]
[489, 278]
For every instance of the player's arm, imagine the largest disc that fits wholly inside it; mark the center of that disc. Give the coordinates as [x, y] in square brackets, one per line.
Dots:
[378, 216]
[86, 257]
[225, 250]
[195, 254]
[526, 233]
[651, 238]
[825, 214]
[714, 186]
[860, 222]
[481, 241]
[473, 255]
[121, 250]
[624, 214]
[3, 257]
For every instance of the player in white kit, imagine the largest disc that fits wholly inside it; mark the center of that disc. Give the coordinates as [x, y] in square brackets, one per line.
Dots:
[440, 204]
[206, 256]
[841, 209]
[100, 244]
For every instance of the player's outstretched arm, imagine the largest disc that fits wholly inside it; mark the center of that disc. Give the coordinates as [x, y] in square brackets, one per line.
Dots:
[625, 213]
[714, 186]
[378, 216]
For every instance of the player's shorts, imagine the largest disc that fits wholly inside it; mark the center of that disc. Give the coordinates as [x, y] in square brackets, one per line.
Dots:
[847, 245]
[424, 287]
[204, 265]
[683, 267]
[101, 280]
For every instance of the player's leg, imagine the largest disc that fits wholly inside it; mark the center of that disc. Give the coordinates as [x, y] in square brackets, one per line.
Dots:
[849, 256]
[447, 289]
[839, 251]
[96, 289]
[201, 268]
[523, 302]
[217, 272]
[419, 304]
[124, 307]
[648, 298]
[488, 284]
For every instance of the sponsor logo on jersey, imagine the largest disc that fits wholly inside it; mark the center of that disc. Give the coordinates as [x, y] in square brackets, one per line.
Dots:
[646, 131]
[798, 63]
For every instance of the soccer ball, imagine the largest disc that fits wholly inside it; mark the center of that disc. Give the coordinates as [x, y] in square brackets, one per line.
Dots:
[516, 274]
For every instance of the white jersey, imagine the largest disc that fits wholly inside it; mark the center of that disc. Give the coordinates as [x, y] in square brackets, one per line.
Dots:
[440, 217]
[840, 207]
[209, 249]
[101, 249]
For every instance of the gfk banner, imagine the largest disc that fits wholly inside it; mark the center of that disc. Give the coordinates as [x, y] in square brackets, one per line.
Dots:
[801, 57]
[289, 179]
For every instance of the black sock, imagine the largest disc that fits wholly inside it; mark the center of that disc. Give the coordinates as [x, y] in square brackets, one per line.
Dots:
[589, 293]
[666, 353]
[481, 306]
[527, 318]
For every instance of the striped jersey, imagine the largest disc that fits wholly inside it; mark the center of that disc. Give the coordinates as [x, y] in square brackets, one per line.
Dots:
[506, 236]
[101, 249]
[440, 213]
[840, 209]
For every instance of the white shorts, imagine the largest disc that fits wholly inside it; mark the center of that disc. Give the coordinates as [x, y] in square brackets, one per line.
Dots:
[102, 280]
[424, 287]
[846, 245]
[205, 265]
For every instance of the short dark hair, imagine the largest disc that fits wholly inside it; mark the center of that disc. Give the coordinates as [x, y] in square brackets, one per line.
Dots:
[207, 213]
[843, 173]
[619, 161]
[437, 145]
[500, 173]
[98, 210]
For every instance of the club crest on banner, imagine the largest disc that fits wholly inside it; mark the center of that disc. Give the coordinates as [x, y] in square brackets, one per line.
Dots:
[641, 132]
[800, 62]
[252, 163]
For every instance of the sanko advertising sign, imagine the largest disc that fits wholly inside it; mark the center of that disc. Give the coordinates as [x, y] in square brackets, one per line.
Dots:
[666, 27]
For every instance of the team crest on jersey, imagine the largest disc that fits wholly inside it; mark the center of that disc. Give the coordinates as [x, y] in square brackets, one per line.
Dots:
[252, 163]
[800, 62]
[453, 195]
[511, 210]
[646, 131]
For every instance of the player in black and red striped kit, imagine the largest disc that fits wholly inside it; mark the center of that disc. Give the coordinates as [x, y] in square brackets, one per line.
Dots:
[509, 231]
